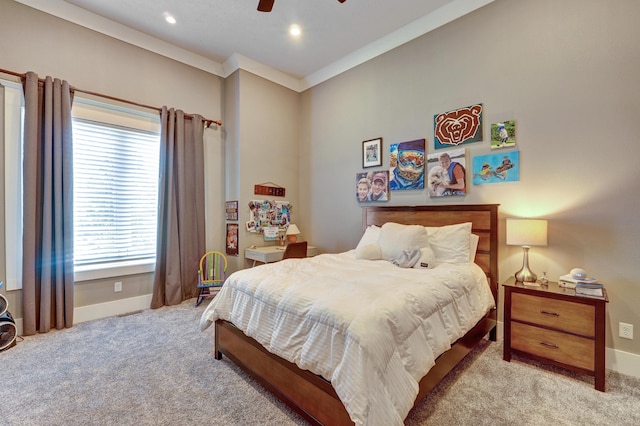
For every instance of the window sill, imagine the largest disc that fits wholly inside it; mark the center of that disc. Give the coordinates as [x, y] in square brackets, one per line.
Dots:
[117, 269]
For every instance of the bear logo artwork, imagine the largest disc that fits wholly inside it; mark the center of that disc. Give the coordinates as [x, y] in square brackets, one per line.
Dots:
[458, 126]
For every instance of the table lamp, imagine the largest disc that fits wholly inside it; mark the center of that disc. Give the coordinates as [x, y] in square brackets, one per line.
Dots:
[526, 233]
[292, 233]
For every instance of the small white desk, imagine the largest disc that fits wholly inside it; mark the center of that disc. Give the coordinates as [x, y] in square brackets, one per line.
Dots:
[269, 254]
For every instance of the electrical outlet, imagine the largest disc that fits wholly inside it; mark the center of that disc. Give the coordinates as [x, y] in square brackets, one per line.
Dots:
[117, 286]
[625, 330]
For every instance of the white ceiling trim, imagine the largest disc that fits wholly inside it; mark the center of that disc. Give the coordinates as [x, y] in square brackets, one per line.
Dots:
[417, 28]
[238, 61]
[95, 22]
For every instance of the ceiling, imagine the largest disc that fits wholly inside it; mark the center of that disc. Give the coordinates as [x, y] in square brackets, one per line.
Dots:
[221, 36]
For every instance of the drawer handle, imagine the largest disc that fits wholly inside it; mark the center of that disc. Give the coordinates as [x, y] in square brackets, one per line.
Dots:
[550, 313]
[549, 345]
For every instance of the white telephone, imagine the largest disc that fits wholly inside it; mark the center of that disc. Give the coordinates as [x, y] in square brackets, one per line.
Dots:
[574, 276]
[578, 274]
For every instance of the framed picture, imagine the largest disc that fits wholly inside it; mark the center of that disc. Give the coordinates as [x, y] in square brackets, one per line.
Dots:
[457, 127]
[372, 153]
[503, 134]
[406, 161]
[232, 239]
[446, 173]
[372, 186]
[494, 168]
[231, 210]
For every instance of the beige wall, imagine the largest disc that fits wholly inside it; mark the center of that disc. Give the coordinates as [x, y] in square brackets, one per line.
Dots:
[34, 41]
[261, 146]
[567, 71]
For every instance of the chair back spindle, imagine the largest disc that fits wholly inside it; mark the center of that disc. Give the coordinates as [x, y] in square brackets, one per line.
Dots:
[212, 272]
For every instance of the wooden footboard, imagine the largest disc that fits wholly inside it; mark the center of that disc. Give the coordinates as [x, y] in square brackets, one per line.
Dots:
[312, 396]
[308, 394]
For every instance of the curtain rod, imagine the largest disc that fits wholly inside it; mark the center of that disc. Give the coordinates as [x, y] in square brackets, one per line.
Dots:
[207, 121]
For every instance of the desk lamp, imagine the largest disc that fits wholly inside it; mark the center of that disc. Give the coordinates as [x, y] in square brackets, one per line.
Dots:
[292, 233]
[526, 233]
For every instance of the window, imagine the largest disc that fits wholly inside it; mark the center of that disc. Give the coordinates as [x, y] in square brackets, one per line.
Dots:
[13, 105]
[116, 156]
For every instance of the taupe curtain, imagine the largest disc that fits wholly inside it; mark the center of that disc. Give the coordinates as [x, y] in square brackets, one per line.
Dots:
[47, 265]
[181, 223]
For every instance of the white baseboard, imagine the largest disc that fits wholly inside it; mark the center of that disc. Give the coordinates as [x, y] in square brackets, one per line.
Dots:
[109, 309]
[103, 310]
[622, 362]
[19, 325]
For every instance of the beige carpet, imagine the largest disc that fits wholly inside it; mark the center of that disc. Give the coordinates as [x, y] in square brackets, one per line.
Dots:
[156, 368]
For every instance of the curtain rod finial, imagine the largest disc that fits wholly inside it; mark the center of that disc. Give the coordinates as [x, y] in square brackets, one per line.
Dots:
[209, 123]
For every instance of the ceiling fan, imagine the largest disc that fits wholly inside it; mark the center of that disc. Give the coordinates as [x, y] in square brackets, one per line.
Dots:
[267, 5]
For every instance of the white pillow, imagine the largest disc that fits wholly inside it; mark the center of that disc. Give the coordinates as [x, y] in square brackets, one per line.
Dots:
[395, 238]
[450, 243]
[369, 252]
[370, 236]
[427, 259]
[473, 247]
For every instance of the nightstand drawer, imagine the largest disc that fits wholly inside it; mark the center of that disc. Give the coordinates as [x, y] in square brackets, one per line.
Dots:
[565, 348]
[552, 324]
[559, 314]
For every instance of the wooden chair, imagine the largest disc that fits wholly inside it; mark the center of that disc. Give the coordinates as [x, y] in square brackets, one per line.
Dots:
[295, 250]
[211, 274]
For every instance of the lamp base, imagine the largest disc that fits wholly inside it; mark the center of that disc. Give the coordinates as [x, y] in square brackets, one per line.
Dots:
[526, 275]
[292, 238]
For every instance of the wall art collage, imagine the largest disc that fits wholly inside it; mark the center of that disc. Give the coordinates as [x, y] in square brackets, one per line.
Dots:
[443, 172]
[269, 218]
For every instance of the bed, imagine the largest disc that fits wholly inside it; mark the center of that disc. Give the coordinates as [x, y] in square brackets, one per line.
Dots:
[293, 365]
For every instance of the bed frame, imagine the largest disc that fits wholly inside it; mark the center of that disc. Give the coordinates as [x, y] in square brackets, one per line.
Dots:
[312, 396]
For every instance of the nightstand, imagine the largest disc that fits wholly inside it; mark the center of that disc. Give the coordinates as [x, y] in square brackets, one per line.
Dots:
[269, 254]
[552, 324]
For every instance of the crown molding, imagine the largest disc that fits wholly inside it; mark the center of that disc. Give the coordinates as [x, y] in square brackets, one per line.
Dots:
[442, 16]
[238, 61]
[100, 24]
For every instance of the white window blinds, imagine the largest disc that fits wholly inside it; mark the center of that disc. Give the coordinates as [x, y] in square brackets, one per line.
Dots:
[115, 191]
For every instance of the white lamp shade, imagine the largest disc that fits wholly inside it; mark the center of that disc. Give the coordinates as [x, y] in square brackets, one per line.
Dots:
[292, 229]
[526, 232]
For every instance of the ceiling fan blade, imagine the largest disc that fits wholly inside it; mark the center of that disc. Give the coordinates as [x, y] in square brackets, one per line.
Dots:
[265, 5]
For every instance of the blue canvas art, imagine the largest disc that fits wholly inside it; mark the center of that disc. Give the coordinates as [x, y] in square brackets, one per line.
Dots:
[495, 168]
[407, 165]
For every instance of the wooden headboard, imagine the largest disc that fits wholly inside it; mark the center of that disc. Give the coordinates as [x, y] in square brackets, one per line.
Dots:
[484, 219]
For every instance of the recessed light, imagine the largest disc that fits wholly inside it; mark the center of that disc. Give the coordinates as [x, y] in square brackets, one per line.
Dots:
[169, 18]
[295, 30]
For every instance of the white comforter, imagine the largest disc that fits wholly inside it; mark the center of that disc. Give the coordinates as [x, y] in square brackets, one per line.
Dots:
[371, 328]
